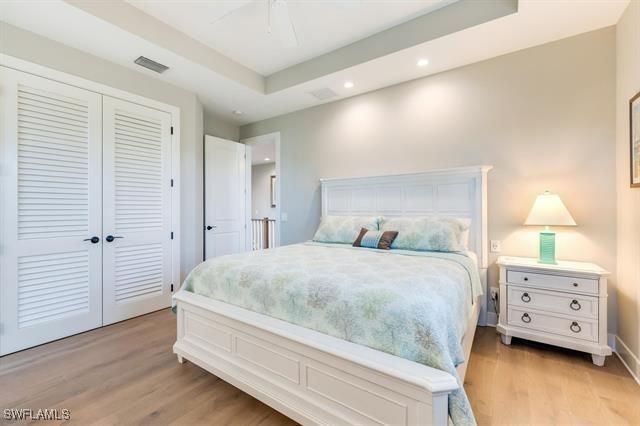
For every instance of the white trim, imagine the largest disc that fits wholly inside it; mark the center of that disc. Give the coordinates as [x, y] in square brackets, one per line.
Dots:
[102, 89]
[255, 140]
[175, 200]
[622, 351]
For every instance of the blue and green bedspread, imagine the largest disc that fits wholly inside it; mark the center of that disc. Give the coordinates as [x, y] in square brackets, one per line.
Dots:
[414, 305]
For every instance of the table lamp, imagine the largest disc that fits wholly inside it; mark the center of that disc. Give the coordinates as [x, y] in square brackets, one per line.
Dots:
[548, 210]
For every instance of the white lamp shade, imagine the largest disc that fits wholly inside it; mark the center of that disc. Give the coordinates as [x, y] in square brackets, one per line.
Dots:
[548, 210]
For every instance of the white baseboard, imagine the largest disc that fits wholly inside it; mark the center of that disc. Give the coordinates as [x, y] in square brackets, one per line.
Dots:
[629, 360]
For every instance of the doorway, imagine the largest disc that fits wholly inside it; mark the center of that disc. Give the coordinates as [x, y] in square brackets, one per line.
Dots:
[264, 194]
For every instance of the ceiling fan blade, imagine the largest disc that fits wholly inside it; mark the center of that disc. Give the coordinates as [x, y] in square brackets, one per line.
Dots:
[229, 8]
[282, 24]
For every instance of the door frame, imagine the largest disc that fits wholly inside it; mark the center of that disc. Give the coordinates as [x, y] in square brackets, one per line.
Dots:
[103, 89]
[255, 140]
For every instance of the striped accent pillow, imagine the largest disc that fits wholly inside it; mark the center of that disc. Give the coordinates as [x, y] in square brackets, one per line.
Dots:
[375, 239]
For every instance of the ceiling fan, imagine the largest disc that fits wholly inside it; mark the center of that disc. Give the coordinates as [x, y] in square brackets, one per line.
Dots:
[279, 22]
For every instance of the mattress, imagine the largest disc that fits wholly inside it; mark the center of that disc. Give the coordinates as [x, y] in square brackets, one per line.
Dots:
[415, 305]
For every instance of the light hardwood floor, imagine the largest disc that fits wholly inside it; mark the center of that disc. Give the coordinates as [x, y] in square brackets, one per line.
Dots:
[126, 374]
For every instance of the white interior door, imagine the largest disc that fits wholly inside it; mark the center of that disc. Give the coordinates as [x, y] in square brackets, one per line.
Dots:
[51, 192]
[225, 197]
[137, 209]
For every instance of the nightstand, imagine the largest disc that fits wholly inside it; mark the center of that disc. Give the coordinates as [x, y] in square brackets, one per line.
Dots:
[563, 304]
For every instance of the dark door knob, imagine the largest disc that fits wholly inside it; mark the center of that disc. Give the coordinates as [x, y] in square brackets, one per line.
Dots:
[209, 227]
[94, 240]
[110, 238]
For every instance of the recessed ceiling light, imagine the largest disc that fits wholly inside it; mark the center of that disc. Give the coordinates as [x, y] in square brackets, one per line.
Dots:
[237, 112]
[423, 62]
[266, 159]
[348, 84]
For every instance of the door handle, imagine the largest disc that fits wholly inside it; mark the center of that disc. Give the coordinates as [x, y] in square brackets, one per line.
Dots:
[110, 238]
[94, 240]
[209, 227]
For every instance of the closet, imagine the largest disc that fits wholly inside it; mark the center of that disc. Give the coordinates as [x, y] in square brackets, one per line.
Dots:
[86, 216]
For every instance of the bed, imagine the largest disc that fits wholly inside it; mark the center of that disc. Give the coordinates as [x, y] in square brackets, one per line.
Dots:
[312, 364]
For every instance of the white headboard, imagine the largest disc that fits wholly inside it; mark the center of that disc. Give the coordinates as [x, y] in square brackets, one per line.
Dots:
[457, 192]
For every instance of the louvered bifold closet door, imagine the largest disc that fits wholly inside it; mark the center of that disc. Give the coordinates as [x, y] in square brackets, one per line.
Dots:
[51, 175]
[137, 209]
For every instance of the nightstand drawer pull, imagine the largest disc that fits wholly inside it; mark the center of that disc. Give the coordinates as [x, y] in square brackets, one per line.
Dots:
[553, 282]
[525, 297]
[526, 318]
[575, 305]
[575, 327]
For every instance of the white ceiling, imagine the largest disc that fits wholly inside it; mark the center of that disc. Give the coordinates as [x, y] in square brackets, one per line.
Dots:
[536, 22]
[238, 29]
[261, 151]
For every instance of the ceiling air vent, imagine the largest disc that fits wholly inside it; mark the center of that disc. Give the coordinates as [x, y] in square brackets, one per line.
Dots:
[323, 94]
[152, 65]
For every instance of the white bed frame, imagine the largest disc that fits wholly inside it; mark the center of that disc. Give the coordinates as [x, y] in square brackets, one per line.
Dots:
[318, 379]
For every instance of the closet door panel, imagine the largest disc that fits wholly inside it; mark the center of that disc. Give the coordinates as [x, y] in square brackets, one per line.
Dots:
[137, 209]
[51, 278]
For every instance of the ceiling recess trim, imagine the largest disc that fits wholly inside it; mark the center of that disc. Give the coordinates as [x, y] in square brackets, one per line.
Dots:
[136, 22]
[446, 20]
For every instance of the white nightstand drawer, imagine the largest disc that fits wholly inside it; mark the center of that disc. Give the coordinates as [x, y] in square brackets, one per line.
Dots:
[578, 328]
[563, 303]
[553, 282]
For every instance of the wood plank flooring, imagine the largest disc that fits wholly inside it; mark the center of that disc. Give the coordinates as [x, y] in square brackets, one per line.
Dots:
[535, 384]
[126, 374]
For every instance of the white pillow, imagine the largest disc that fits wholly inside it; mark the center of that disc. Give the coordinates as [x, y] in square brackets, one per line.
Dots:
[428, 233]
[464, 236]
[344, 229]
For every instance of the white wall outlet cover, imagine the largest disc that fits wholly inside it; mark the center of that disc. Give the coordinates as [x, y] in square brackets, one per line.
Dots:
[495, 246]
[284, 216]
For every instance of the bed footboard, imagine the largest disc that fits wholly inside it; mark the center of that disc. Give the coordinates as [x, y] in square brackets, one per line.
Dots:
[311, 377]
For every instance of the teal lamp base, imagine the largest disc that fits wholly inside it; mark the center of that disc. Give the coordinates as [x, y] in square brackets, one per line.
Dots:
[547, 247]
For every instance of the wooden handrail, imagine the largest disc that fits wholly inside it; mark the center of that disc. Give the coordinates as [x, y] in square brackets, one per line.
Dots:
[265, 229]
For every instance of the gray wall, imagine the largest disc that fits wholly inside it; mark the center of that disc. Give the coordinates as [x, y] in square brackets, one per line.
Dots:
[628, 84]
[34, 48]
[215, 126]
[544, 117]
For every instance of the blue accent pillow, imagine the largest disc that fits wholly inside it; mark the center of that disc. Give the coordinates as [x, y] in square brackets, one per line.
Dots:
[375, 239]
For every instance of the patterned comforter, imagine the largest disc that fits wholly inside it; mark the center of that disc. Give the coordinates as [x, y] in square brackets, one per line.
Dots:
[411, 304]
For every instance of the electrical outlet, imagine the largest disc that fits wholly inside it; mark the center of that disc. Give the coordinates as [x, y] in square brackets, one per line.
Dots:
[495, 246]
[284, 217]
